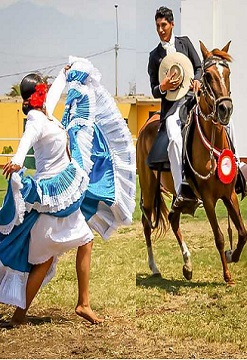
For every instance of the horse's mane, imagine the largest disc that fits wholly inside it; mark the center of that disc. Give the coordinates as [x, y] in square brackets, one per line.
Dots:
[222, 54]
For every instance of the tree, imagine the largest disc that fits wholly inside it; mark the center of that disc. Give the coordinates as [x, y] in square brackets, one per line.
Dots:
[7, 150]
[15, 91]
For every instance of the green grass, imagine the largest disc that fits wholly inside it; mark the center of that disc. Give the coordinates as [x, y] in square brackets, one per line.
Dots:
[112, 279]
[203, 309]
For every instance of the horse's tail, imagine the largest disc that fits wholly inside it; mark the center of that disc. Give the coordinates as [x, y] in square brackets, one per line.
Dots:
[158, 219]
[160, 210]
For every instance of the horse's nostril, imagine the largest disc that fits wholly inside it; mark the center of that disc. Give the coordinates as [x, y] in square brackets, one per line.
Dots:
[225, 109]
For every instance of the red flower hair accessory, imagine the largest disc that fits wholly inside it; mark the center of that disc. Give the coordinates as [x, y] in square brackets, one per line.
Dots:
[37, 99]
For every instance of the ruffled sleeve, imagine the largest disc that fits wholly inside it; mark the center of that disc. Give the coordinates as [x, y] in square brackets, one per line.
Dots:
[55, 93]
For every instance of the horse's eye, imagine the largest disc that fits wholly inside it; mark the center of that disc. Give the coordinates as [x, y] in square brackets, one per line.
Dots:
[208, 76]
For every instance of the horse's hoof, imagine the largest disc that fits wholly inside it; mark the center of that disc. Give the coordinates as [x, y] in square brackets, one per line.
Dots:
[157, 275]
[187, 273]
[231, 283]
[228, 255]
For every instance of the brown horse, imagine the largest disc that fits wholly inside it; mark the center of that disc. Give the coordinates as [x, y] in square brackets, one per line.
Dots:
[212, 113]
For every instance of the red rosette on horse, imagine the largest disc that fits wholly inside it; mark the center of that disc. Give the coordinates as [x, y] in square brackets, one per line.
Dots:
[227, 167]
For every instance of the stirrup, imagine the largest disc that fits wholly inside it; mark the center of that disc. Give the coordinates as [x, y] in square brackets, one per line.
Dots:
[186, 201]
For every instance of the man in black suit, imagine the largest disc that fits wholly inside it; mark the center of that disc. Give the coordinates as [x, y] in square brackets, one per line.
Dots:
[170, 109]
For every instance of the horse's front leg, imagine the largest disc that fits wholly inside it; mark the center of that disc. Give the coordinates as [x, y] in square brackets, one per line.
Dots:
[174, 219]
[218, 237]
[234, 212]
[146, 222]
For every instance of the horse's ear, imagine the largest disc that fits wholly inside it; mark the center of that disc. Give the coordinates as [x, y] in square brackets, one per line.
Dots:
[204, 50]
[226, 47]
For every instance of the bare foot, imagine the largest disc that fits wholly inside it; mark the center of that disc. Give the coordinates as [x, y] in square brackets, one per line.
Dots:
[87, 313]
[19, 317]
[15, 322]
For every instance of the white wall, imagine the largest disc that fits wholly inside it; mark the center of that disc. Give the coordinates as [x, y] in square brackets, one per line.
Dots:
[215, 22]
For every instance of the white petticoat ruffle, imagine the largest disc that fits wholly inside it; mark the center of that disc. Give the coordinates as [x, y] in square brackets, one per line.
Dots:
[13, 284]
[104, 113]
[120, 143]
[52, 236]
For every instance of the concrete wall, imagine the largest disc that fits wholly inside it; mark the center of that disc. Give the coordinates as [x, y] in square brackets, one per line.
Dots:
[144, 112]
[12, 120]
[12, 124]
[215, 22]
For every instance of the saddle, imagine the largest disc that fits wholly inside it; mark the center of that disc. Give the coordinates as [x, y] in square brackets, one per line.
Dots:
[158, 156]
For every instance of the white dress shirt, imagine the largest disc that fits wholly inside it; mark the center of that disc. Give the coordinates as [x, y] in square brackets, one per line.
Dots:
[170, 45]
[48, 139]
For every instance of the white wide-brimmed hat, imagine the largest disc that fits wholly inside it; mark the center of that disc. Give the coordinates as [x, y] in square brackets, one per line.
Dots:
[181, 65]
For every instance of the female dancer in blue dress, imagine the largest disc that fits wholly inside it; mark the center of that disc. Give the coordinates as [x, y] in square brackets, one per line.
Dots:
[84, 181]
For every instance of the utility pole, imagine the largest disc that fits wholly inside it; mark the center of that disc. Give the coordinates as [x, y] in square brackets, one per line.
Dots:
[116, 53]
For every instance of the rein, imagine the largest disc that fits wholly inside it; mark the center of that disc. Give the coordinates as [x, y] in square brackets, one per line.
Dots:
[214, 103]
[209, 145]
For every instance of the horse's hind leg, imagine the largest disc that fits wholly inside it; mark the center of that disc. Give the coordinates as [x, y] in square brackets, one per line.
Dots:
[174, 219]
[234, 212]
[146, 222]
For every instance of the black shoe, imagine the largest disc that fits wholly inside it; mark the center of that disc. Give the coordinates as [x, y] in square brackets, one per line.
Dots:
[185, 205]
[181, 201]
[240, 186]
[186, 201]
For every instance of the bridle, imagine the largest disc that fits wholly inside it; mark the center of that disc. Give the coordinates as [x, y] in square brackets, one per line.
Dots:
[214, 115]
[208, 92]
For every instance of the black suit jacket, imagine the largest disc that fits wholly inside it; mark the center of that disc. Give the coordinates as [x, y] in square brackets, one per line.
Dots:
[182, 45]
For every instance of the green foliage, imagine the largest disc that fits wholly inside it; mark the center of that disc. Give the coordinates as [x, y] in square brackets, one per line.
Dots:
[15, 91]
[7, 150]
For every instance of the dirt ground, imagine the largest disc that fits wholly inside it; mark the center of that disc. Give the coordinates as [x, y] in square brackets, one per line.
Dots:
[64, 335]
[57, 333]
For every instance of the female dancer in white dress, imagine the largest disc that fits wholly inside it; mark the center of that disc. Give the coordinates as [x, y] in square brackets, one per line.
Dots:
[94, 179]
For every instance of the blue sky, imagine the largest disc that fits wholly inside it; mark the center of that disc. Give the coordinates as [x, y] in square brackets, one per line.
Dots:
[41, 34]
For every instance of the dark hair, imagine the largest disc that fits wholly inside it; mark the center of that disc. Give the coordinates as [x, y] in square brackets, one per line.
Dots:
[164, 12]
[27, 88]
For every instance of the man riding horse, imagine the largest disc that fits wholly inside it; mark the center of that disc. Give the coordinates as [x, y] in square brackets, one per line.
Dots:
[173, 90]
[170, 119]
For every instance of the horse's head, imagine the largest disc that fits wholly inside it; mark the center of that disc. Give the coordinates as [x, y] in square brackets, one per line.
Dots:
[215, 100]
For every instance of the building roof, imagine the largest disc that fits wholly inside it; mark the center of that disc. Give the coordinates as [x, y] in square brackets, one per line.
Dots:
[18, 99]
[10, 99]
[137, 99]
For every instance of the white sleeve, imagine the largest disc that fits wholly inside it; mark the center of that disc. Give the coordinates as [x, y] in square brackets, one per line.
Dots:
[32, 133]
[55, 92]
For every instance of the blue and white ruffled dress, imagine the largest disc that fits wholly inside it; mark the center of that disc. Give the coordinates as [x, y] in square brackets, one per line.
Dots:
[41, 216]
[98, 185]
